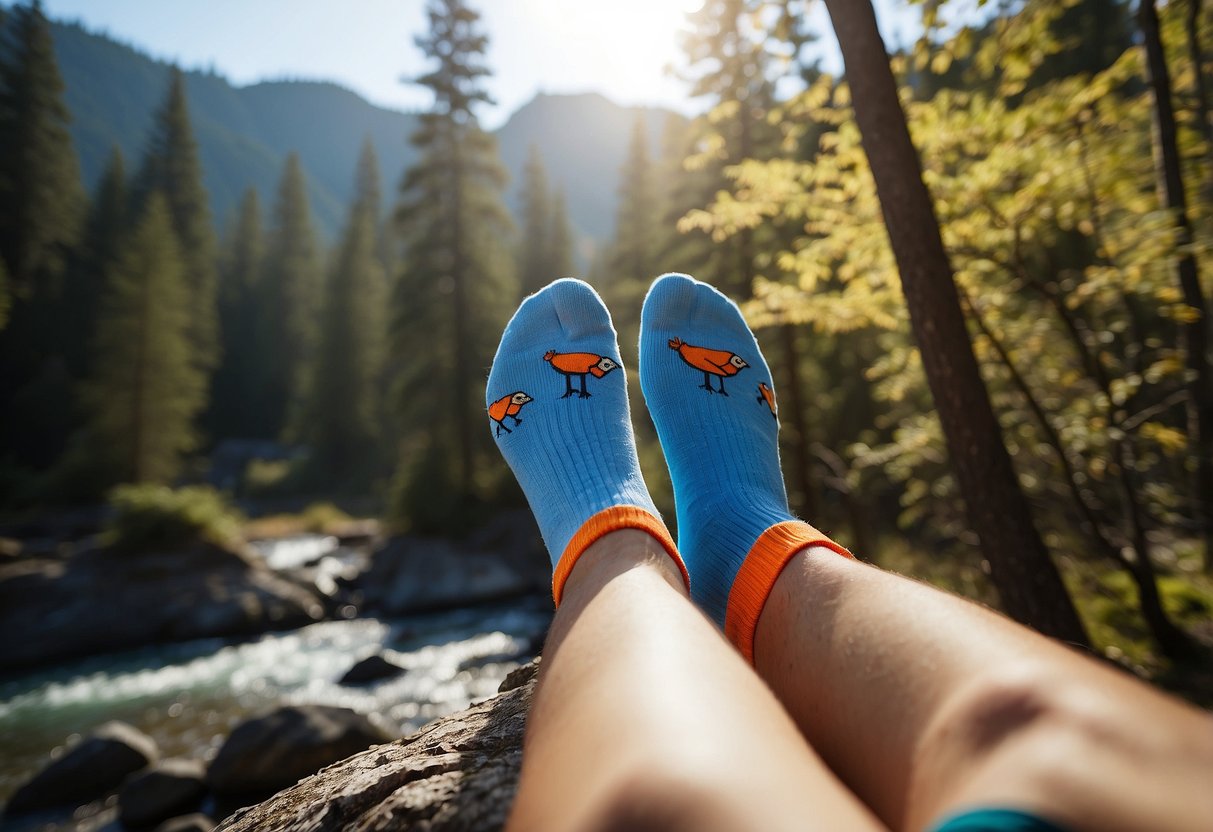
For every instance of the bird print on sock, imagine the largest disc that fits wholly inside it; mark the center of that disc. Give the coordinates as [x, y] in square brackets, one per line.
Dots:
[766, 394]
[719, 363]
[579, 364]
[507, 407]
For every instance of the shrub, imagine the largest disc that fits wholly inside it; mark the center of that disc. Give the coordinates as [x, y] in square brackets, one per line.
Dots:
[150, 516]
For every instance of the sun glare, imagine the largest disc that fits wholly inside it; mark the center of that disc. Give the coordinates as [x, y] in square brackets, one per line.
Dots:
[621, 49]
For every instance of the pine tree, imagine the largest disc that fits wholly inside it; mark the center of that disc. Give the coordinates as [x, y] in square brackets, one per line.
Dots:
[454, 294]
[344, 405]
[171, 167]
[146, 391]
[40, 192]
[40, 201]
[632, 257]
[238, 406]
[534, 268]
[560, 237]
[291, 290]
[729, 66]
[633, 251]
[105, 228]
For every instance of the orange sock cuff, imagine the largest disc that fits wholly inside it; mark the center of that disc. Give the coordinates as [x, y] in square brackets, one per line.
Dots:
[771, 552]
[607, 521]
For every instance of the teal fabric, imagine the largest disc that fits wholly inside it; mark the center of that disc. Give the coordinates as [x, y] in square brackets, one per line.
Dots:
[997, 820]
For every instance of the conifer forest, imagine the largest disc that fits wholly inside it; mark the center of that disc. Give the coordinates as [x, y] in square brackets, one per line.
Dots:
[980, 266]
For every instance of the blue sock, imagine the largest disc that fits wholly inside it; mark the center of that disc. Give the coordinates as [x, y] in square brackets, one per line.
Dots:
[712, 399]
[558, 406]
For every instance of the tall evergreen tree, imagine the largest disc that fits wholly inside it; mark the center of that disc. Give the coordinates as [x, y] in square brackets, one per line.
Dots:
[291, 290]
[729, 67]
[560, 237]
[105, 228]
[534, 268]
[146, 391]
[343, 414]
[632, 256]
[454, 285]
[1028, 582]
[633, 250]
[40, 193]
[40, 201]
[238, 406]
[171, 167]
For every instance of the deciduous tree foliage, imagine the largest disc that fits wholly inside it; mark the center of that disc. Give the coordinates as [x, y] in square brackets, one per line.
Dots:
[1196, 328]
[1027, 580]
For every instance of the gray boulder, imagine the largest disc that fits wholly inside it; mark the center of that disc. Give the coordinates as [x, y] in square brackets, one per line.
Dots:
[502, 559]
[458, 774]
[166, 790]
[91, 769]
[53, 609]
[371, 669]
[268, 753]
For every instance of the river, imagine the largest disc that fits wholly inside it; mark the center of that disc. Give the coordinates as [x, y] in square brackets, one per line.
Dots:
[188, 696]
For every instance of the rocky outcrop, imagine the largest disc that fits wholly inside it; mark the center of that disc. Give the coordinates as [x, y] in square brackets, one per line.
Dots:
[502, 559]
[274, 751]
[100, 600]
[187, 823]
[92, 769]
[166, 790]
[459, 774]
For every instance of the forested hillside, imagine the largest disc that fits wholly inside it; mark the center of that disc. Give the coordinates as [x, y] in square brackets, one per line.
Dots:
[245, 133]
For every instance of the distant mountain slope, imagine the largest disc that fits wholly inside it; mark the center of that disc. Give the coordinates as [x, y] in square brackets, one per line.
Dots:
[245, 133]
[584, 141]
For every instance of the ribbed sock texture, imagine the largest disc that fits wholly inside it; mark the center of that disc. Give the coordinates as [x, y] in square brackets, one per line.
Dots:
[573, 455]
[722, 449]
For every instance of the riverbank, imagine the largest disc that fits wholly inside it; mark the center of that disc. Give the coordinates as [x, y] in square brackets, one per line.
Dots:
[188, 697]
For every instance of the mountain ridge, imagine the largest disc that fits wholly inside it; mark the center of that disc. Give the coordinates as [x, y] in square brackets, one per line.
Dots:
[244, 133]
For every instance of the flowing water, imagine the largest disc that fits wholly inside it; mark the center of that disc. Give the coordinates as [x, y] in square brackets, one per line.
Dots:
[189, 696]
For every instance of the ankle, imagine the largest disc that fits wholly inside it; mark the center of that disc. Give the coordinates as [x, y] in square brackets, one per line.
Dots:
[615, 554]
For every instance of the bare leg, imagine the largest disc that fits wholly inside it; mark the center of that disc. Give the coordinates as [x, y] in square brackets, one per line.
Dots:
[645, 718]
[926, 704]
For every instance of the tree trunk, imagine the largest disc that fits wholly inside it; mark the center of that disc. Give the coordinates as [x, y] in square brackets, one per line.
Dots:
[1196, 345]
[1027, 580]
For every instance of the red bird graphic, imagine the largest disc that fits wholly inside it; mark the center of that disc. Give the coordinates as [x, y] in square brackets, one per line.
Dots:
[766, 394]
[578, 364]
[719, 363]
[507, 407]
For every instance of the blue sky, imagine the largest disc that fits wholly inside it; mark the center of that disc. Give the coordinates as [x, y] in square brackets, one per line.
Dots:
[620, 48]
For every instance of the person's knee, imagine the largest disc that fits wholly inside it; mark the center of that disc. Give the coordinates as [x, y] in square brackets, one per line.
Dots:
[664, 799]
[1034, 719]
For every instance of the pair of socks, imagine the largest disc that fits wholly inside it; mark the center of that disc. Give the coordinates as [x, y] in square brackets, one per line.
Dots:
[558, 408]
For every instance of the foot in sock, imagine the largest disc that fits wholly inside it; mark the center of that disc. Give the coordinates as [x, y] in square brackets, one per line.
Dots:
[734, 527]
[558, 407]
